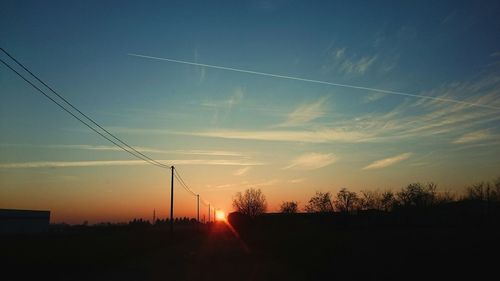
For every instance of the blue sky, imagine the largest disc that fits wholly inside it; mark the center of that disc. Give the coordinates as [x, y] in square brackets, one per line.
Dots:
[227, 131]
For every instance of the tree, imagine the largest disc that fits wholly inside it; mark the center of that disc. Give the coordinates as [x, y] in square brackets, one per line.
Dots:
[289, 207]
[370, 200]
[484, 191]
[320, 203]
[376, 200]
[387, 200]
[445, 198]
[252, 202]
[475, 192]
[346, 200]
[417, 195]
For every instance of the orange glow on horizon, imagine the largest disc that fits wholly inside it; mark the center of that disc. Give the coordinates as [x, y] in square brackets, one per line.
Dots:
[220, 215]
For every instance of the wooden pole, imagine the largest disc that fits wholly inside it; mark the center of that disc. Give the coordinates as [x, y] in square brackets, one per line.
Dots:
[172, 200]
[198, 207]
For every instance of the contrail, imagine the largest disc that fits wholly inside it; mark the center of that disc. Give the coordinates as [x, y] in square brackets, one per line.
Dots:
[318, 81]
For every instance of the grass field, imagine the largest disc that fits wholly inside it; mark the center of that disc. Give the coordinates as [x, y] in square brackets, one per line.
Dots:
[215, 252]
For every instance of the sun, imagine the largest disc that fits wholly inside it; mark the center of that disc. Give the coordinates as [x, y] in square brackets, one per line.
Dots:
[220, 215]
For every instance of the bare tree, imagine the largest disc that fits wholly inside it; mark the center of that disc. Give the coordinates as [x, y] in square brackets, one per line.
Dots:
[346, 200]
[387, 200]
[252, 202]
[483, 191]
[488, 193]
[370, 200]
[445, 197]
[320, 203]
[417, 195]
[289, 207]
[496, 189]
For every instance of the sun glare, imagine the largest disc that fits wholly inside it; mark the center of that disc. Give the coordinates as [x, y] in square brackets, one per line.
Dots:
[220, 215]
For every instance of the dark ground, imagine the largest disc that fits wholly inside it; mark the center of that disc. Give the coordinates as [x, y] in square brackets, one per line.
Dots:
[263, 252]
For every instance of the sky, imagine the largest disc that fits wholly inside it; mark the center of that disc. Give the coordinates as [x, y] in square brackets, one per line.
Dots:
[422, 101]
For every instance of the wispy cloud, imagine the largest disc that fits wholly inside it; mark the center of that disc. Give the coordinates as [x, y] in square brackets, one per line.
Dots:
[208, 152]
[270, 182]
[222, 108]
[389, 64]
[425, 118]
[357, 66]
[317, 136]
[388, 161]
[75, 147]
[473, 137]
[242, 171]
[305, 113]
[298, 180]
[411, 119]
[243, 184]
[339, 53]
[345, 62]
[102, 148]
[138, 148]
[312, 161]
[373, 97]
[67, 164]
[225, 186]
[363, 66]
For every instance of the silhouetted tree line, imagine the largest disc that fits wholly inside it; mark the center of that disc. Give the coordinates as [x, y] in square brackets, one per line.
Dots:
[183, 221]
[135, 224]
[416, 203]
[161, 222]
[412, 196]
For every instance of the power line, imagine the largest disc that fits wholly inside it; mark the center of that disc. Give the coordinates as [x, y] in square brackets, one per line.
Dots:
[184, 186]
[204, 202]
[117, 141]
[184, 183]
[76, 117]
[144, 157]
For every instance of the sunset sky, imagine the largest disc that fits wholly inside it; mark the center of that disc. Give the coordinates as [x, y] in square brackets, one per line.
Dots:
[225, 130]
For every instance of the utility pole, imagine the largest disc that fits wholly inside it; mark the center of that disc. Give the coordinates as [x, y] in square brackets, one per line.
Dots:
[198, 207]
[154, 216]
[172, 200]
[215, 217]
[209, 212]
